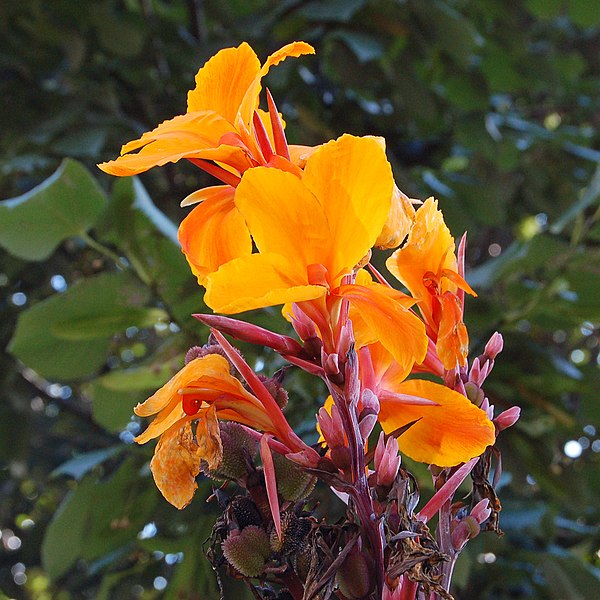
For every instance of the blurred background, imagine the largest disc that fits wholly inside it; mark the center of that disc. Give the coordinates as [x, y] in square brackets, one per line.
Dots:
[493, 107]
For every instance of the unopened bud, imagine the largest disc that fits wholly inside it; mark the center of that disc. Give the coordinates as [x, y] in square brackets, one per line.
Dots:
[331, 365]
[370, 402]
[494, 346]
[331, 426]
[387, 461]
[248, 550]
[507, 418]
[366, 425]
[474, 393]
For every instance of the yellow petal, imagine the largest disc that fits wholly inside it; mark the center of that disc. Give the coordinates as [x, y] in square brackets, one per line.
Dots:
[175, 465]
[380, 314]
[445, 435]
[284, 217]
[214, 233]
[353, 181]
[452, 344]
[257, 281]
[194, 135]
[216, 191]
[223, 81]
[250, 100]
[398, 223]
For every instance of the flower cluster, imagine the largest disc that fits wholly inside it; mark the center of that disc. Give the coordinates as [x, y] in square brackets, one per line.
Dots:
[296, 227]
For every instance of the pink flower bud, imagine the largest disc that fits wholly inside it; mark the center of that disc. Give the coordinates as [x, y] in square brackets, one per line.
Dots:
[507, 418]
[494, 346]
[370, 402]
[469, 527]
[387, 461]
[366, 425]
[331, 427]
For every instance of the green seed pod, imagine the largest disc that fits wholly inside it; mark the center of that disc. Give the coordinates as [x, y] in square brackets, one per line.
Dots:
[238, 447]
[293, 482]
[248, 551]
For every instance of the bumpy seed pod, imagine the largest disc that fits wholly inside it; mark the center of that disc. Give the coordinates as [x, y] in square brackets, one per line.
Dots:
[243, 512]
[248, 550]
[238, 447]
[354, 576]
[294, 530]
[293, 482]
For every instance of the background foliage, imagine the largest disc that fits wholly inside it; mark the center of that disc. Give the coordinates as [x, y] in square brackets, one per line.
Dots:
[493, 107]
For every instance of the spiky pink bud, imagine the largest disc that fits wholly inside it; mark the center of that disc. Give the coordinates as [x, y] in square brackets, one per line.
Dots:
[507, 418]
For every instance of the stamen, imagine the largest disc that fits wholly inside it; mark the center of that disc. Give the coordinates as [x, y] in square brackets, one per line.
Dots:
[262, 137]
[216, 171]
[281, 145]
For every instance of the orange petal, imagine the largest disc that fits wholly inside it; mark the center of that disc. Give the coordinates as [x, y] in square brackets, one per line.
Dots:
[250, 100]
[223, 81]
[210, 365]
[379, 314]
[175, 465]
[430, 247]
[452, 344]
[194, 135]
[221, 192]
[208, 436]
[398, 223]
[300, 154]
[444, 435]
[353, 181]
[214, 233]
[284, 217]
[257, 281]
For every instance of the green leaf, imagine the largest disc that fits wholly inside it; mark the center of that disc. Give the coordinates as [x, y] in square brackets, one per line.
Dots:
[106, 299]
[101, 326]
[65, 205]
[80, 465]
[340, 11]
[64, 536]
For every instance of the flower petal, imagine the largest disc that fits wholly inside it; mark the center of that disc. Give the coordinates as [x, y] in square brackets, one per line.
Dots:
[214, 233]
[284, 217]
[250, 100]
[353, 181]
[398, 223]
[193, 135]
[379, 313]
[444, 435]
[208, 436]
[175, 465]
[223, 81]
[257, 281]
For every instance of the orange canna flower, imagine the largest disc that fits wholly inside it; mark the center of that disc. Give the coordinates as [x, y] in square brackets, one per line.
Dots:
[223, 125]
[448, 428]
[203, 391]
[428, 267]
[311, 233]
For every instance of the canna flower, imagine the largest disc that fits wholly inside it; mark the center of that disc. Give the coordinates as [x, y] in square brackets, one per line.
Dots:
[448, 429]
[202, 392]
[428, 267]
[224, 133]
[312, 233]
